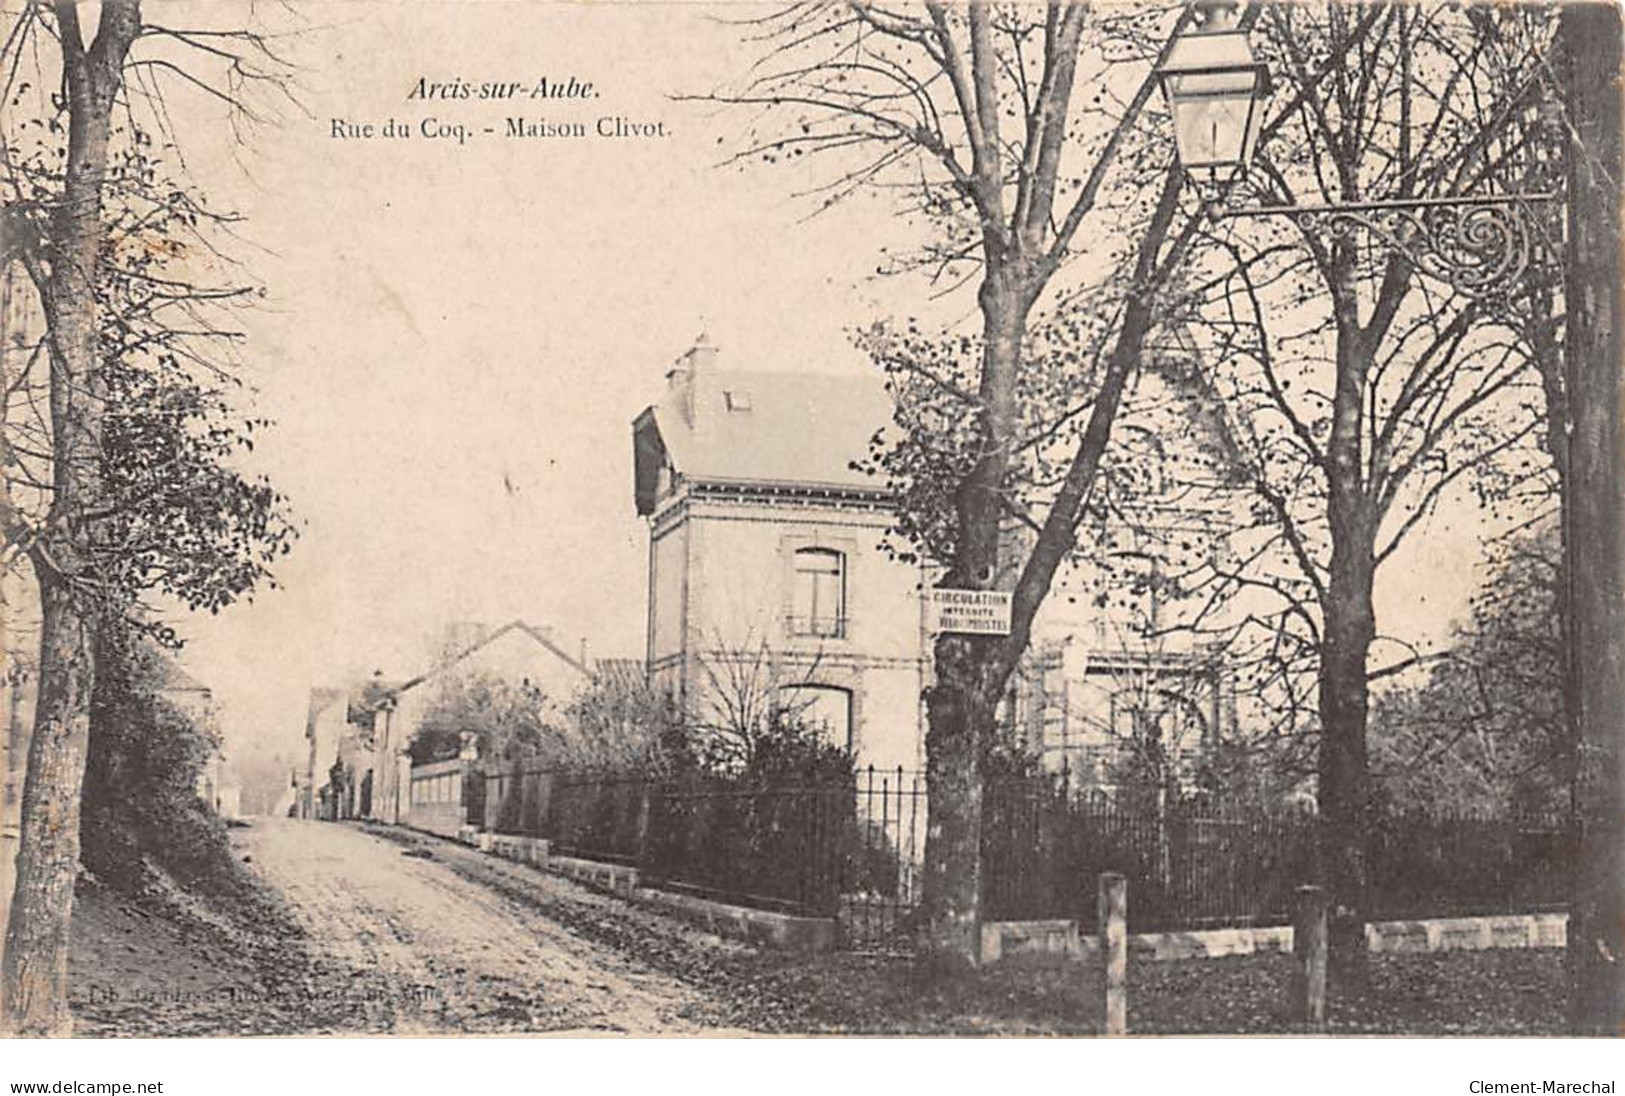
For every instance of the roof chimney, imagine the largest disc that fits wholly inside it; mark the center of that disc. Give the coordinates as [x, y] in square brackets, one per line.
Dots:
[700, 357]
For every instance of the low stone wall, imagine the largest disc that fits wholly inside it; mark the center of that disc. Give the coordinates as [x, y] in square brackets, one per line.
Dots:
[521, 850]
[784, 931]
[1009, 939]
[762, 927]
[441, 819]
[615, 878]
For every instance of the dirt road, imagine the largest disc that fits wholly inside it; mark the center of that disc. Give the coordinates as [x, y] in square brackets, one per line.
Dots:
[419, 949]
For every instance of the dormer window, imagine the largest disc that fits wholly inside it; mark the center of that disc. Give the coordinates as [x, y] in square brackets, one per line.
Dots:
[737, 400]
[818, 599]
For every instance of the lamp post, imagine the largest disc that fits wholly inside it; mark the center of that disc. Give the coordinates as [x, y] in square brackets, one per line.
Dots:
[1215, 89]
[1480, 245]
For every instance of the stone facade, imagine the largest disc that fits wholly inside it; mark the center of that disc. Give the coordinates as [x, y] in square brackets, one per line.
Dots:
[766, 562]
[766, 572]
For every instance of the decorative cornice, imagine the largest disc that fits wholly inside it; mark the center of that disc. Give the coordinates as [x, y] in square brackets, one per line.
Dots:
[767, 494]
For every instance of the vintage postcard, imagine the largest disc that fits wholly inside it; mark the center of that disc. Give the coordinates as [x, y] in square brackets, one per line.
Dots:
[826, 518]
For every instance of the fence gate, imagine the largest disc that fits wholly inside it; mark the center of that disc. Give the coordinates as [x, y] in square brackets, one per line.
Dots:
[880, 887]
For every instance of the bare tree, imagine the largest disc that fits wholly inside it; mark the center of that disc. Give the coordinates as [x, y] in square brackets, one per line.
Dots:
[972, 116]
[751, 695]
[1413, 381]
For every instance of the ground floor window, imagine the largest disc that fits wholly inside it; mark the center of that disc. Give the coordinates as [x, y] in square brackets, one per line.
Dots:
[826, 709]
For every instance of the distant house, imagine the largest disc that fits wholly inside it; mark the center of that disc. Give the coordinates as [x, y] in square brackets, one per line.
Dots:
[765, 556]
[370, 771]
[184, 692]
[325, 726]
[217, 785]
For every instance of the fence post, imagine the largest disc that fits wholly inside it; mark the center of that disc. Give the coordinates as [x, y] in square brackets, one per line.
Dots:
[1309, 955]
[1112, 912]
[643, 825]
[493, 796]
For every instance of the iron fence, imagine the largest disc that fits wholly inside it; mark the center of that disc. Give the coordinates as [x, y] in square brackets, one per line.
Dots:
[1043, 849]
[781, 848]
[1192, 867]
[884, 878]
[596, 817]
[855, 850]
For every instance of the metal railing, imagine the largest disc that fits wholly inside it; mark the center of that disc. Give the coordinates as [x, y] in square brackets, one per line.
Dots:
[820, 627]
[855, 850]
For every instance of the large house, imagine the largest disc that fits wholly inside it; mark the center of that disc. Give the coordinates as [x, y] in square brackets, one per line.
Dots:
[765, 561]
[766, 571]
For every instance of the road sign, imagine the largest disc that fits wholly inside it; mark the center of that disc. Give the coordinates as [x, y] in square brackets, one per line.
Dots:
[979, 612]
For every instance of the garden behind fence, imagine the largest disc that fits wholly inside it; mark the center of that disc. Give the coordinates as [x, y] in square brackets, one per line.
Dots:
[855, 850]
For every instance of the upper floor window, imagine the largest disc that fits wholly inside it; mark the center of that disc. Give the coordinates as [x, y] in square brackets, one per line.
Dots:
[1168, 718]
[818, 599]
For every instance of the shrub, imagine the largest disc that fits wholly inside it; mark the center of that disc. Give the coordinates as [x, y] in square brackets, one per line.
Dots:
[141, 812]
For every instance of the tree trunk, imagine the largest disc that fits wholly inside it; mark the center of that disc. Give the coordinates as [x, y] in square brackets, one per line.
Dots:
[959, 724]
[36, 965]
[961, 703]
[1348, 625]
[971, 673]
[1344, 798]
[33, 983]
[1594, 552]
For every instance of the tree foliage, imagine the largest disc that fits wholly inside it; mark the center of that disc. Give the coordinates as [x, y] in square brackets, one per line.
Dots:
[1484, 730]
[175, 516]
[504, 720]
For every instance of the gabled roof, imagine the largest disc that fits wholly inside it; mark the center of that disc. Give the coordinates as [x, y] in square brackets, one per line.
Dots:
[760, 427]
[540, 637]
[173, 679]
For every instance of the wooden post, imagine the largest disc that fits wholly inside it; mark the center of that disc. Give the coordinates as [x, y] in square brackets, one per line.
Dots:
[1309, 953]
[1113, 927]
[643, 825]
[493, 794]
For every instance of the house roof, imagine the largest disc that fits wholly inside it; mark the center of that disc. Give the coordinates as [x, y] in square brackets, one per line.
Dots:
[759, 427]
[173, 679]
[531, 630]
[323, 697]
[627, 673]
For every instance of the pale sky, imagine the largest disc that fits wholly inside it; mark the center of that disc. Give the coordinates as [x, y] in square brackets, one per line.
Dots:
[457, 337]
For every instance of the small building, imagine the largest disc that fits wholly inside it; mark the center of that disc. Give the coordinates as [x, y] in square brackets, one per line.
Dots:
[216, 784]
[373, 766]
[325, 726]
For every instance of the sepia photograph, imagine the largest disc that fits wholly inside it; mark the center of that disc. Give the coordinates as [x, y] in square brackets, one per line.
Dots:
[810, 518]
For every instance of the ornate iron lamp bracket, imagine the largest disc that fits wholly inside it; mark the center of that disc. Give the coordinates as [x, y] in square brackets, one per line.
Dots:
[1480, 247]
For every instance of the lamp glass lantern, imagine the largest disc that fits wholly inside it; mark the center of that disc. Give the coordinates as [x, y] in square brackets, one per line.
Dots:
[1215, 88]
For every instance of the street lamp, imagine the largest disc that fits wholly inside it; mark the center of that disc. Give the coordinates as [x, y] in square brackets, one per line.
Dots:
[1215, 88]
